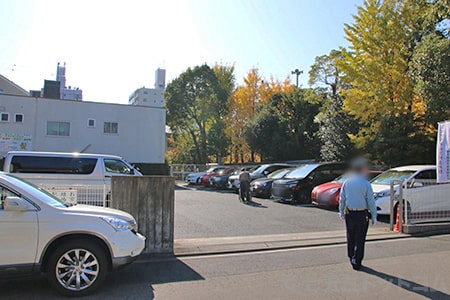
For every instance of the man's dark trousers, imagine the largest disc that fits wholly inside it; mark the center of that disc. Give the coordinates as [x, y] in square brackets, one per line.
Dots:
[357, 223]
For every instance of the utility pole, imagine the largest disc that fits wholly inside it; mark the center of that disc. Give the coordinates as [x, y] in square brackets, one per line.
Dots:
[297, 72]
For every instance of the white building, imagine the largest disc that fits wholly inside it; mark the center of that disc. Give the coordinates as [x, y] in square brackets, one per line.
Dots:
[151, 97]
[136, 133]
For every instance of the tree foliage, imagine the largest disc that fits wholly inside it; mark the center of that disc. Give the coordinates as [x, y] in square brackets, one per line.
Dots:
[195, 101]
[430, 71]
[383, 94]
[335, 124]
[284, 128]
[254, 92]
[382, 39]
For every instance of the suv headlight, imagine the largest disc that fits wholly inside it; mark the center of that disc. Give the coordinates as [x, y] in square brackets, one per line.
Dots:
[120, 224]
[381, 194]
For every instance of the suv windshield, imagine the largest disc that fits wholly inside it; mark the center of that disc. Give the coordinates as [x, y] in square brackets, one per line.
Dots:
[386, 177]
[279, 174]
[301, 172]
[259, 170]
[342, 178]
[36, 191]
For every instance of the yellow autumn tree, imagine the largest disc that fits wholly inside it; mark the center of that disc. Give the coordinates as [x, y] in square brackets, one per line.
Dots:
[246, 98]
[380, 93]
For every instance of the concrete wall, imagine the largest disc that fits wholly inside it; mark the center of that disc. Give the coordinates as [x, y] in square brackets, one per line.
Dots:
[150, 199]
[140, 137]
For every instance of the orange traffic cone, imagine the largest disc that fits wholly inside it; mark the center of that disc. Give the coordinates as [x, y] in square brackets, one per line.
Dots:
[397, 222]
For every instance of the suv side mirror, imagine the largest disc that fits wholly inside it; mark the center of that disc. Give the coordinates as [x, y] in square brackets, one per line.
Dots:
[17, 204]
[417, 184]
[266, 172]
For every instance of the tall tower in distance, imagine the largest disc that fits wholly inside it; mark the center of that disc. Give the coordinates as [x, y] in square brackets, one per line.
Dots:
[151, 97]
[160, 79]
[61, 77]
[66, 92]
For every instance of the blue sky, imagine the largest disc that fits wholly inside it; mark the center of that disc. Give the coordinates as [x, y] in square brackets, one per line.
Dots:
[113, 47]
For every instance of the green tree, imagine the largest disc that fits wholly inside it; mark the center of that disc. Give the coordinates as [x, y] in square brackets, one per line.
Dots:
[284, 128]
[195, 100]
[335, 124]
[430, 71]
[218, 140]
[380, 91]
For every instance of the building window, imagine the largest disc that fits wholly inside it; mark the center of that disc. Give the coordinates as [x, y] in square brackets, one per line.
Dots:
[58, 128]
[111, 127]
[18, 118]
[4, 117]
[91, 123]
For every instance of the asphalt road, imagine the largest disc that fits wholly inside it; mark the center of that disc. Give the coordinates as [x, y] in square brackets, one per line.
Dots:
[411, 268]
[202, 212]
[285, 274]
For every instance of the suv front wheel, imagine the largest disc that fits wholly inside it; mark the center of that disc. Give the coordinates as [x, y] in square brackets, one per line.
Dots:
[77, 267]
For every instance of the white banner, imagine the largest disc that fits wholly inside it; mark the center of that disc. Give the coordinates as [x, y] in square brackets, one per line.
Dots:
[14, 142]
[443, 152]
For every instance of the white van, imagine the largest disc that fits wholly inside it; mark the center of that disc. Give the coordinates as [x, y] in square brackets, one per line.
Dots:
[63, 172]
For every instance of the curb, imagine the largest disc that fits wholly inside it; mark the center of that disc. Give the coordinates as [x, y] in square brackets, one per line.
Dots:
[243, 244]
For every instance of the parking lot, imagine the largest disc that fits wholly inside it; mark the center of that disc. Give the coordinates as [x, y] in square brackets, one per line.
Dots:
[203, 212]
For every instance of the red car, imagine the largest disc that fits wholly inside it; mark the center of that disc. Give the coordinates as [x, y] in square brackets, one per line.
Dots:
[204, 180]
[327, 194]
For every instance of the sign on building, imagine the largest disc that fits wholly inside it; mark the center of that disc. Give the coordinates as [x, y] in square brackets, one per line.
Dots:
[443, 152]
[14, 142]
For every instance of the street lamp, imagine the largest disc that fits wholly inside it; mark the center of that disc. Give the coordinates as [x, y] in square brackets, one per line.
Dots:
[297, 72]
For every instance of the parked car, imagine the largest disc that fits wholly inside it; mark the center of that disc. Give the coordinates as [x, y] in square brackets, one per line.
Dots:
[298, 184]
[327, 194]
[233, 180]
[262, 187]
[259, 172]
[220, 181]
[204, 179]
[195, 178]
[74, 246]
[382, 189]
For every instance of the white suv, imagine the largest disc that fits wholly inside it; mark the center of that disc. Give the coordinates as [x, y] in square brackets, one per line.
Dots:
[75, 246]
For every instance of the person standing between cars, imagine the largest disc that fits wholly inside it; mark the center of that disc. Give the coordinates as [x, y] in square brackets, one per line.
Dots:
[244, 189]
[356, 202]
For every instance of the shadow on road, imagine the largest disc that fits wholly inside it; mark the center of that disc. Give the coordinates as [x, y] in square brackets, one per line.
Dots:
[408, 285]
[181, 187]
[255, 204]
[132, 282]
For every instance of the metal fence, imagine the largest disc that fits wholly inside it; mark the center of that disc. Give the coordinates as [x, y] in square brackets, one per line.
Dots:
[98, 195]
[424, 201]
[180, 171]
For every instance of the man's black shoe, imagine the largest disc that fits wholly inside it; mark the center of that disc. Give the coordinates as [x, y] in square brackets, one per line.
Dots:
[357, 267]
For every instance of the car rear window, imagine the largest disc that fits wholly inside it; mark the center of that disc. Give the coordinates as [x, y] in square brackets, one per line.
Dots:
[52, 165]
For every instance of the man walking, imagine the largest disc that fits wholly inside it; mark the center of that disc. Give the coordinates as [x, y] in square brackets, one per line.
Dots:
[355, 203]
[244, 189]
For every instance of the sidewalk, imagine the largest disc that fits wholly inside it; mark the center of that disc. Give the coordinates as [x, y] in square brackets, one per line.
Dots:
[426, 278]
[204, 246]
